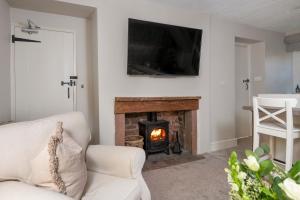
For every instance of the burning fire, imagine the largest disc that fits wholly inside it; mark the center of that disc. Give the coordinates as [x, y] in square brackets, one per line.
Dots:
[158, 134]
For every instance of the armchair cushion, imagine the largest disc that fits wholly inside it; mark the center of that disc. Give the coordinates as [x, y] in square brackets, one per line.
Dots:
[106, 187]
[125, 162]
[14, 190]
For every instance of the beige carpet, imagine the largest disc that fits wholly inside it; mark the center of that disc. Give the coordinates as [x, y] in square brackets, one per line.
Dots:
[197, 180]
[157, 161]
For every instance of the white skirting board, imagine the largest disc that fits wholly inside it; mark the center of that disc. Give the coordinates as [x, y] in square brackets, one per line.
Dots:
[223, 144]
[3, 123]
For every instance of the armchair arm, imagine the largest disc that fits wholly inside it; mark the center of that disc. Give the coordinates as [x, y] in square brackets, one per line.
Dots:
[121, 161]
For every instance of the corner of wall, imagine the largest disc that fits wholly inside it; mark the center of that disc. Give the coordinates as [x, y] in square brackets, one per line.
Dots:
[5, 35]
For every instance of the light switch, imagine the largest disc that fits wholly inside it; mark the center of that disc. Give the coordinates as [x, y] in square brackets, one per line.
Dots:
[257, 78]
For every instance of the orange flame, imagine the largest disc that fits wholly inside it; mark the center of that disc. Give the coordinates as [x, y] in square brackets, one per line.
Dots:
[158, 134]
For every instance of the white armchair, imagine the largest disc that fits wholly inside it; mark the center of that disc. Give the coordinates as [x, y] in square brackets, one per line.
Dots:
[115, 172]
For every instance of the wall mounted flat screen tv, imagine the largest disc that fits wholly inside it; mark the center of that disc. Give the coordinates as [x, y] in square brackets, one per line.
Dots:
[160, 49]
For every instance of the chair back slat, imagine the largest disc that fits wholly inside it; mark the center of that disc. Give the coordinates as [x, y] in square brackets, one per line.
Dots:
[272, 108]
[272, 115]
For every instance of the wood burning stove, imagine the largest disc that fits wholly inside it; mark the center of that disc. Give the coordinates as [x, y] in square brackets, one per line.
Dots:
[155, 133]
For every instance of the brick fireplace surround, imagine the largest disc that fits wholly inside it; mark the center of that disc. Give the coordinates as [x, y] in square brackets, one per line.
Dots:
[127, 105]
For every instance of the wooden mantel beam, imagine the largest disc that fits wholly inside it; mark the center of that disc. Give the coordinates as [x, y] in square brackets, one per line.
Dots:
[155, 104]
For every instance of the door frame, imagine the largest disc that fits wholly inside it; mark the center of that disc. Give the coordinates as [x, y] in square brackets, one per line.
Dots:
[13, 71]
[250, 85]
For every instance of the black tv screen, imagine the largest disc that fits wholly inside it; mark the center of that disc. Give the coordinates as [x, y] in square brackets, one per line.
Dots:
[160, 49]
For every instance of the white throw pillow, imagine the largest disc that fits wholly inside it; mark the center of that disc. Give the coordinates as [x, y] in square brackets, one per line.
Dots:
[60, 166]
[21, 142]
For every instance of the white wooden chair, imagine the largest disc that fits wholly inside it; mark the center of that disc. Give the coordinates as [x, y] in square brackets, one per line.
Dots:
[267, 122]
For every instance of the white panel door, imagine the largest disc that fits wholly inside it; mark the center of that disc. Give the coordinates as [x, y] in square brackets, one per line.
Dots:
[242, 66]
[39, 69]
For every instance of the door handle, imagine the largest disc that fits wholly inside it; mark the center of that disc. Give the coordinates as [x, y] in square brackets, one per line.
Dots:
[64, 83]
[68, 93]
[246, 81]
[71, 83]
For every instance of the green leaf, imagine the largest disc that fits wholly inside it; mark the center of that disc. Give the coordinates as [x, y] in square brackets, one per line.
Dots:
[266, 148]
[297, 179]
[266, 167]
[268, 193]
[275, 187]
[280, 194]
[277, 180]
[295, 171]
[259, 152]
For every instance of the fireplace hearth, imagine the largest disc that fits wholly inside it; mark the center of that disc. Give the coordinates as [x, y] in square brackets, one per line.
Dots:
[155, 133]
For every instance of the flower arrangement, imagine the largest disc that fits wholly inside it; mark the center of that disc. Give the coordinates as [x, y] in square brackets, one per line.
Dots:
[259, 178]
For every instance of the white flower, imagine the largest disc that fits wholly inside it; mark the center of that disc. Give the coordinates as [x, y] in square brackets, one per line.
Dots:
[235, 187]
[291, 188]
[242, 175]
[252, 163]
[229, 178]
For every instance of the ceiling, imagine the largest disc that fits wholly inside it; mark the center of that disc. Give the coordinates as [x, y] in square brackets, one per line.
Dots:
[52, 6]
[277, 15]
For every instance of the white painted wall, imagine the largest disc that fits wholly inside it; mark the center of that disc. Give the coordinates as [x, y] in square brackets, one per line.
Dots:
[275, 74]
[216, 123]
[4, 61]
[113, 79]
[85, 66]
[222, 84]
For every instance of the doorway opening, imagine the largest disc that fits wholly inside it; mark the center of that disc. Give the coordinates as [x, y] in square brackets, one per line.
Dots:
[249, 81]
